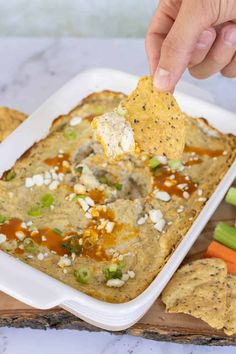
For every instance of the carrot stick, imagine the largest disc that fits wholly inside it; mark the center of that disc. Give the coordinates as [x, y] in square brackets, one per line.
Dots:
[216, 250]
[231, 268]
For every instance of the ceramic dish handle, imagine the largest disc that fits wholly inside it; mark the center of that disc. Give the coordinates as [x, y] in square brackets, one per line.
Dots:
[32, 287]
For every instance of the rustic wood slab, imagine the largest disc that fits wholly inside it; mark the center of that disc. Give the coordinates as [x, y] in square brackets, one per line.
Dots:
[156, 324]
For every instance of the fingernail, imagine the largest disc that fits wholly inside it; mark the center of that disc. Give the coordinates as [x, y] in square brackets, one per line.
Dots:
[230, 37]
[162, 79]
[204, 39]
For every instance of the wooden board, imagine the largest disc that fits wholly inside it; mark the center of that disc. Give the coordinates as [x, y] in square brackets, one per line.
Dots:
[156, 324]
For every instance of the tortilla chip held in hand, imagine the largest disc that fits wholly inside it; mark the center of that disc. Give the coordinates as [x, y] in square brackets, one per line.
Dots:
[146, 121]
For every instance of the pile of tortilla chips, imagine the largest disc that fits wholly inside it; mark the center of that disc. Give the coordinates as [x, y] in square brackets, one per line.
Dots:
[204, 290]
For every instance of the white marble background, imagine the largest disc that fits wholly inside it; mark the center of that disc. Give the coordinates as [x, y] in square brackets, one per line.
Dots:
[31, 70]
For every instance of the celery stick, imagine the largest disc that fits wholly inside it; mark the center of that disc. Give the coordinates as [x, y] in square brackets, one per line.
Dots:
[226, 235]
[231, 196]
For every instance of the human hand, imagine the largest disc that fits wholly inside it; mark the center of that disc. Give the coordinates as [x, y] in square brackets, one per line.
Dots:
[193, 34]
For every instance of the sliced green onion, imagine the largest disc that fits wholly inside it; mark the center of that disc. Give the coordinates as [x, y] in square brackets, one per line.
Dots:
[174, 164]
[47, 200]
[103, 179]
[154, 162]
[231, 196]
[79, 169]
[112, 272]
[75, 198]
[82, 275]
[226, 235]
[72, 245]
[9, 176]
[57, 231]
[35, 211]
[30, 246]
[81, 196]
[70, 133]
[118, 186]
[2, 219]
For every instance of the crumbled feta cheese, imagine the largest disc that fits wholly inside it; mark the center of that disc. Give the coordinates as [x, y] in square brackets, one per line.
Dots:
[125, 277]
[182, 186]
[164, 196]
[186, 195]
[20, 235]
[142, 220]
[172, 177]
[199, 192]
[180, 209]
[40, 256]
[115, 283]
[83, 204]
[53, 185]
[131, 274]
[120, 257]
[2, 238]
[43, 238]
[88, 215]
[225, 153]
[89, 201]
[64, 262]
[155, 215]
[75, 121]
[159, 225]
[109, 226]
[65, 164]
[29, 182]
[79, 188]
[162, 159]
[170, 222]
[168, 183]
[23, 225]
[64, 270]
[38, 180]
[202, 199]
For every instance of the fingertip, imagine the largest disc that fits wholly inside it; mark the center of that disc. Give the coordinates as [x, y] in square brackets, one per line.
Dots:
[162, 80]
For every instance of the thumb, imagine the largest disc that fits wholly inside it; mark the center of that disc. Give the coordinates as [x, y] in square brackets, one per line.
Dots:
[180, 42]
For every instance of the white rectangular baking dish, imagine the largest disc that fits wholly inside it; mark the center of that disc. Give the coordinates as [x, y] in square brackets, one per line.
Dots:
[41, 291]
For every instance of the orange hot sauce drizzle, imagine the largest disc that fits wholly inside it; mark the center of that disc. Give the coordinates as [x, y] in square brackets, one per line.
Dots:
[159, 182]
[57, 161]
[201, 151]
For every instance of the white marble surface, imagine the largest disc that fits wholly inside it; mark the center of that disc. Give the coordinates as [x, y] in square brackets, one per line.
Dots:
[31, 70]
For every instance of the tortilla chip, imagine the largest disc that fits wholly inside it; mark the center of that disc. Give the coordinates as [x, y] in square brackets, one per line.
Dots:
[199, 289]
[158, 124]
[230, 315]
[9, 121]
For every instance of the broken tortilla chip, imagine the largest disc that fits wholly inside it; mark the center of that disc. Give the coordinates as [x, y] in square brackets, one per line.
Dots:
[9, 121]
[156, 119]
[146, 121]
[230, 314]
[199, 289]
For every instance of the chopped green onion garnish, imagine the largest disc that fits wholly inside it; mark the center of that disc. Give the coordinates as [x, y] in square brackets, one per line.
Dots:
[47, 200]
[103, 180]
[58, 231]
[35, 211]
[79, 169]
[70, 133]
[82, 275]
[174, 164]
[118, 186]
[81, 196]
[9, 176]
[226, 235]
[72, 245]
[2, 219]
[75, 198]
[231, 196]
[153, 162]
[29, 245]
[113, 272]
